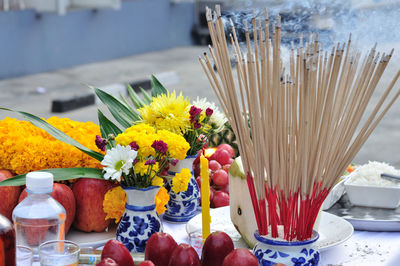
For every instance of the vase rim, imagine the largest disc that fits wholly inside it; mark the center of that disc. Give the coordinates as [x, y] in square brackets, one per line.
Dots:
[191, 156]
[271, 241]
[141, 189]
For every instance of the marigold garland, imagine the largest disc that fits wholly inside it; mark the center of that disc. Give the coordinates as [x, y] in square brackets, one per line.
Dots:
[25, 147]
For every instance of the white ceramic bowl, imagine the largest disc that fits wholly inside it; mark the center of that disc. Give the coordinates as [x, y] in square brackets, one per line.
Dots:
[372, 196]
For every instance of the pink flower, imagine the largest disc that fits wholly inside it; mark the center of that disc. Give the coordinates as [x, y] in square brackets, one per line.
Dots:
[101, 143]
[209, 112]
[160, 146]
[134, 146]
[174, 162]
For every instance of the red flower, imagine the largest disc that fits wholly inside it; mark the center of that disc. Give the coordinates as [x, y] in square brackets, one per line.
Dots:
[209, 112]
[160, 146]
[134, 146]
[101, 143]
[197, 125]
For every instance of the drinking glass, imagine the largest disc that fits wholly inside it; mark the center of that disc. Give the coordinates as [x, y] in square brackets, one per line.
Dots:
[24, 256]
[59, 253]
[196, 241]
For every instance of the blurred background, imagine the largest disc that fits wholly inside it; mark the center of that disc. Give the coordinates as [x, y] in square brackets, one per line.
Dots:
[51, 48]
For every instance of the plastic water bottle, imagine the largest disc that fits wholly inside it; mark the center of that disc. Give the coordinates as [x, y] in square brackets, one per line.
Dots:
[7, 243]
[39, 217]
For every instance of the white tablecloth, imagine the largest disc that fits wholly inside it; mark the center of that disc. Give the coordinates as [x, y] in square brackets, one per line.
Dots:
[362, 249]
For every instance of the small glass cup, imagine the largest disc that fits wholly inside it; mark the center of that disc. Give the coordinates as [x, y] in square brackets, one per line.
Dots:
[24, 256]
[59, 253]
[196, 241]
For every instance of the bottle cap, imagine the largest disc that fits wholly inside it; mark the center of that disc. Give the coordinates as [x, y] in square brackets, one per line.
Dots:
[39, 182]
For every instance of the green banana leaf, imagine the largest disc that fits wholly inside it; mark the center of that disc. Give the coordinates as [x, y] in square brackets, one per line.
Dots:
[59, 175]
[107, 127]
[58, 134]
[156, 87]
[127, 104]
[146, 97]
[137, 102]
[119, 111]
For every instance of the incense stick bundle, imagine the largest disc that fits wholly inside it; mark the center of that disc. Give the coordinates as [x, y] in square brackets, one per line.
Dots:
[305, 125]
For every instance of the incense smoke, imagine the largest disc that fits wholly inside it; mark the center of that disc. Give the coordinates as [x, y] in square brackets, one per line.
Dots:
[369, 21]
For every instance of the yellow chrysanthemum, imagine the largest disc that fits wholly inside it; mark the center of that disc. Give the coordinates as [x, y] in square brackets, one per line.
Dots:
[157, 181]
[114, 203]
[177, 145]
[181, 180]
[25, 147]
[144, 136]
[167, 111]
[141, 169]
[161, 200]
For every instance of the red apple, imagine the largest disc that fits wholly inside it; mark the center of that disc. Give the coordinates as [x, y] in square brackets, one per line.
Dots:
[216, 247]
[196, 169]
[63, 194]
[227, 148]
[89, 194]
[184, 255]
[198, 181]
[159, 248]
[147, 263]
[118, 252]
[220, 178]
[222, 156]
[214, 165]
[240, 257]
[35, 233]
[107, 262]
[220, 199]
[9, 194]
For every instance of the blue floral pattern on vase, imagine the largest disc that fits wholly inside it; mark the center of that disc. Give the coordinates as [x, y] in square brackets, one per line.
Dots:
[140, 219]
[182, 206]
[301, 253]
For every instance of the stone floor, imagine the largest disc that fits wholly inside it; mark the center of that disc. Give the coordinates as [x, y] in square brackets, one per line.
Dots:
[179, 69]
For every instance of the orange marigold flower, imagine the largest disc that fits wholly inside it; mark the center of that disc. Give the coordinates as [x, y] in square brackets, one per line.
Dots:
[25, 147]
[161, 200]
[114, 203]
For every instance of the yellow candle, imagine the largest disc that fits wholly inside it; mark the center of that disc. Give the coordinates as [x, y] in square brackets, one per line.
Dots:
[205, 197]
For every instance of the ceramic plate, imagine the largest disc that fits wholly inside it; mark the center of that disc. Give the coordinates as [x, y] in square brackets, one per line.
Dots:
[367, 218]
[93, 239]
[333, 230]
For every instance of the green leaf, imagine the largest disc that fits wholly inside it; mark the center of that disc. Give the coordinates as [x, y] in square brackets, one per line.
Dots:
[59, 174]
[107, 127]
[58, 134]
[135, 98]
[124, 101]
[147, 98]
[118, 110]
[156, 87]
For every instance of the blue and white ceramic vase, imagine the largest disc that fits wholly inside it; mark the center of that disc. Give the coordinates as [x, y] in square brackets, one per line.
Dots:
[182, 206]
[270, 251]
[140, 219]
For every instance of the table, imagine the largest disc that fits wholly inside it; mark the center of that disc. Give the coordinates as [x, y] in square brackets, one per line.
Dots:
[362, 249]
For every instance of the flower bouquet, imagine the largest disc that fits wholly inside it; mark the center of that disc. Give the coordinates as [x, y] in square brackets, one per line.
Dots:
[136, 155]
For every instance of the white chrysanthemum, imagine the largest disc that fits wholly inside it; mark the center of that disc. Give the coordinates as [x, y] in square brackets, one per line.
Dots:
[118, 160]
[218, 118]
